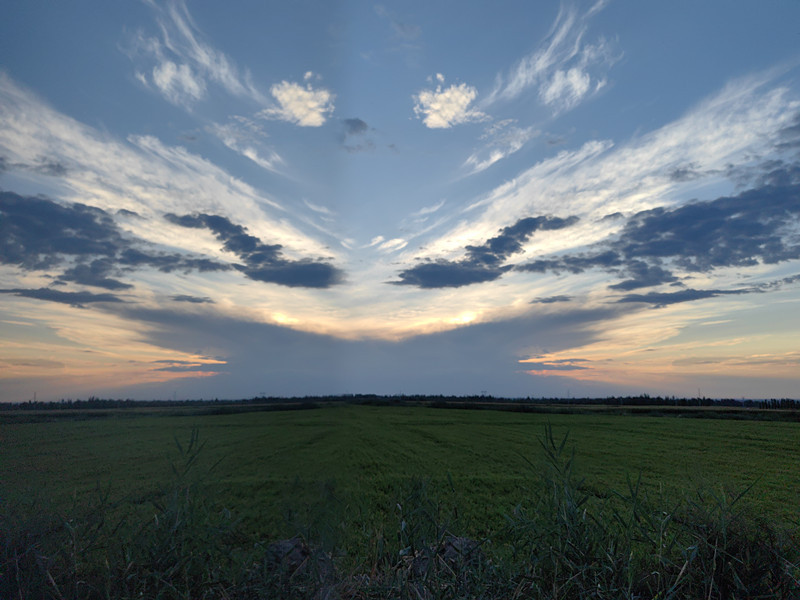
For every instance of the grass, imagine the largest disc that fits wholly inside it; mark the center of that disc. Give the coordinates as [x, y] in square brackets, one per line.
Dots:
[367, 451]
[399, 502]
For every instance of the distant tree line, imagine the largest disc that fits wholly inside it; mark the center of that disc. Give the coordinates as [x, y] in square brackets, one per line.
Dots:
[441, 400]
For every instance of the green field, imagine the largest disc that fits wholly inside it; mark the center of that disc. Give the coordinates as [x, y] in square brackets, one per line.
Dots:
[397, 502]
[266, 463]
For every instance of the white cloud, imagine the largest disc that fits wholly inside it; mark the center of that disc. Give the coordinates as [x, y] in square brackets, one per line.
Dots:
[566, 88]
[392, 245]
[323, 210]
[300, 105]
[184, 64]
[722, 134]
[428, 210]
[271, 163]
[242, 135]
[476, 164]
[375, 241]
[442, 108]
[384, 245]
[564, 68]
[178, 83]
[504, 139]
[142, 175]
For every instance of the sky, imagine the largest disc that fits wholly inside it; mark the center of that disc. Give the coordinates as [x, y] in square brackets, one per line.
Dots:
[522, 199]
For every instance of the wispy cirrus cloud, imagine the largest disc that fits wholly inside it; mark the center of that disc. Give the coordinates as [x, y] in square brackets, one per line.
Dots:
[405, 35]
[719, 138]
[243, 135]
[131, 183]
[392, 245]
[733, 140]
[426, 211]
[403, 30]
[502, 138]
[565, 69]
[178, 83]
[444, 107]
[180, 64]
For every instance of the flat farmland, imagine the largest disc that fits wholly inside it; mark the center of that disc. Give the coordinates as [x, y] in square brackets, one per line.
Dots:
[269, 468]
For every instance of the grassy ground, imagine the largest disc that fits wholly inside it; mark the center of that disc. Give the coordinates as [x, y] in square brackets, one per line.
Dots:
[267, 462]
[382, 488]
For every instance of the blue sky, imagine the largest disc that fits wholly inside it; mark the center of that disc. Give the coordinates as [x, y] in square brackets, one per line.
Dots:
[521, 199]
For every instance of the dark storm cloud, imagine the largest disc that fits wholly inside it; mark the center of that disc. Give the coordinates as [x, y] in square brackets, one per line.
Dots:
[262, 262]
[791, 279]
[575, 264]
[37, 234]
[353, 137]
[497, 249]
[191, 299]
[95, 274]
[78, 299]
[790, 136]
[42, 166]
[781, 282]
[660, 299]
[685, 173]
[204, 368]
[779, 174]
[444, 273]
[45, 166]
[354, 126]
[482, 263]
[271, 359]
[755, 227]
[741, 231]
[643, 275]
[551, 299]
[167, 263]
